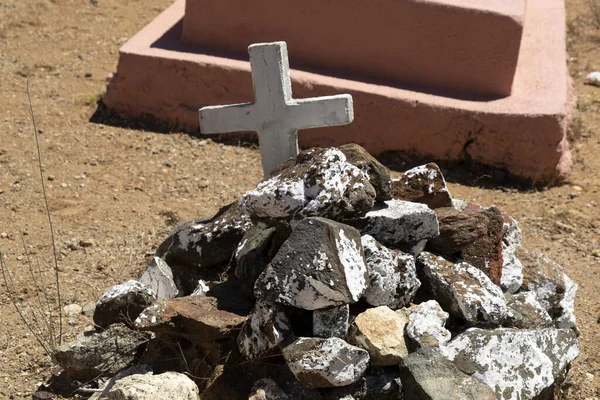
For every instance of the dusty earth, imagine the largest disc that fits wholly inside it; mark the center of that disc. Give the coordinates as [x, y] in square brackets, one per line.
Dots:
[115, 192]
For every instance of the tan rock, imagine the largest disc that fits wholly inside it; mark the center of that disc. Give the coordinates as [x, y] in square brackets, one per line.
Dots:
[380, 331]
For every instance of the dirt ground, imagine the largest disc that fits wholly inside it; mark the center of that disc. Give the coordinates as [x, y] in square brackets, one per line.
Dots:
[114, 193]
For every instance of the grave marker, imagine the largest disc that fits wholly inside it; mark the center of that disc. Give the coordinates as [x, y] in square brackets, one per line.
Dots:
[275, 115]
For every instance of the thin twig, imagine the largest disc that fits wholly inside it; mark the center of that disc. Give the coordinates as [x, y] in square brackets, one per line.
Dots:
[37, 142]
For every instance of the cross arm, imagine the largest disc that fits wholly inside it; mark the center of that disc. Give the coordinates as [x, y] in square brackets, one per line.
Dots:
[225, 119]
[321, 111]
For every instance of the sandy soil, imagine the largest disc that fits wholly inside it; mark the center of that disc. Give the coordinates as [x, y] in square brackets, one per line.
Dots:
[120, 190]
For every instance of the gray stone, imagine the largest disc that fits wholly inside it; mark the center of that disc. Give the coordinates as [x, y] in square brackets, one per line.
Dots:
[423, 184]
[170, 385]
[122, 303]
[426, 325]
[321, 182]
[516, 364]
[159, 277]
[331, 321]
[512, 269]
[396, 222]
[205, 242]
[253, 254]
[463, 290]
[554, 289]
[427, 375]
[320, 265]
[526, 312]
[266, 327]
[98, 353]
[392, 275]
[377, 173]
[319, 363]
[380, 331]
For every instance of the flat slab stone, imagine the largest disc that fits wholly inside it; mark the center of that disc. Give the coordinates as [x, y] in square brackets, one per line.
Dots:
[383, 42]
[525, 133]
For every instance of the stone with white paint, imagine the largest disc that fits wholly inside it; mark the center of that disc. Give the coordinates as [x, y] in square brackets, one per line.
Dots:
[426, 325]
[320, 265]
[377, 173]
[159, 277]
[463, 290]
[319, 182]
[423, 184]
[267, 389]
[512, 269]
[567, 304]
[593, 78]
[526, 312]
[380, 331]
[396, 222]
[252, 255]
[331, 321]
[392, 279]
[275, 115]
[322, 363]
[205, 242]
[169, 385]
[515, 363]
[122, 303]
[266, 327]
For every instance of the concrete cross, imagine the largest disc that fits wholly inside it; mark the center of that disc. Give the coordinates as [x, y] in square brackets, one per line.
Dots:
[275, 115]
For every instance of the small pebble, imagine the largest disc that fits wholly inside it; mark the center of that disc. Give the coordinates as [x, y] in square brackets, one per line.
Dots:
[3, 235]
[593, 79]
[72, 310]
[63, 185]
[87, 242]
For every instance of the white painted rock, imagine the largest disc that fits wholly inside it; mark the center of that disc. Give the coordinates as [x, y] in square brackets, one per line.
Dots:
[266, 327]
[321, 363]
[423, 184]
[320, 265]
[123, 303]
[516, 364]
[380, 331]
[426, 324]
[593, 79]
[331, 322]
[526, 312]
[397, 222]
[159, 277]
[463, 290]
[320, 183]
[267, 389]
[567, 317]
[512, 269]
[392, 275]
[170, 385]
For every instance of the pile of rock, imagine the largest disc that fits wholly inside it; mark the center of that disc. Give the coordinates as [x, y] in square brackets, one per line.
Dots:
[332, 281]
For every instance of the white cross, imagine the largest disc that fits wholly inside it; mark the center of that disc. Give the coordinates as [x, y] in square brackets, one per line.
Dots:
[275, 115]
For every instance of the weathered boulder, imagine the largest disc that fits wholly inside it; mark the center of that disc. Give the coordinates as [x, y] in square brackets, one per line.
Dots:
[319, 363]
[426, 323]
[266, 327]
[463, 290]
[512, 269]
[159, 277]
[320, 265]
[205, 242]
[380, 331]
[253, 254]
[458, 229]
[427, 375]
[554, 289]
[423, 184]
[526, 312]
[515, 363]
[377, 173]
[122, 303]
[396, 222]
[331, 321]
[321, 182]
[485, 253]
[169, 385]
[99, 353]
[198, 319]
[392, 275]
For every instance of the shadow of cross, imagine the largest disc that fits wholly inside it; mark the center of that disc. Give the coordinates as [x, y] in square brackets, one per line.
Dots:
[275, 115]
